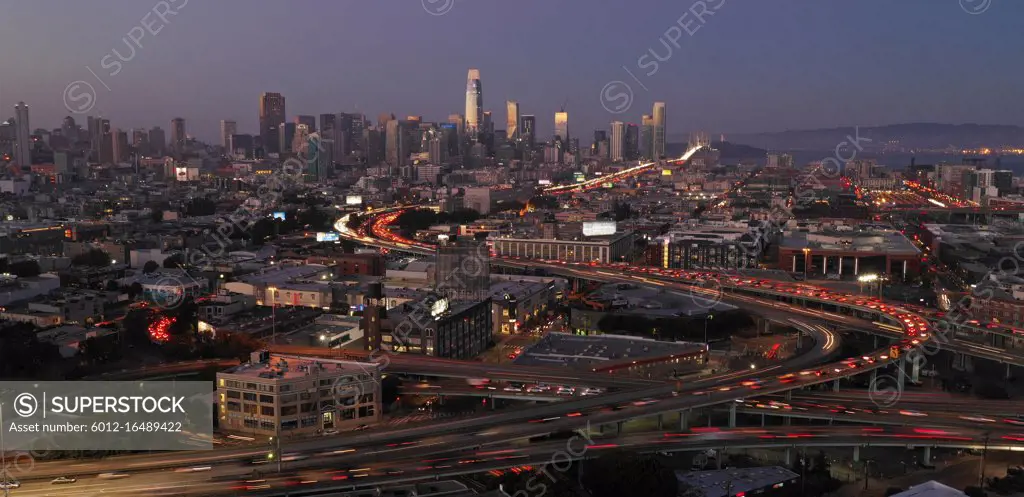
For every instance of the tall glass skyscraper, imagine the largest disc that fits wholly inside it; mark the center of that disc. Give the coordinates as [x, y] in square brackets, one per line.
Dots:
[272, 114]
[474, 104]
[562, 126]
[512, 121]
[659, 130]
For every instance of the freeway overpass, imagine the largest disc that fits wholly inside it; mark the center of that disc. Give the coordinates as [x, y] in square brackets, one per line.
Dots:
[315, 475]
[619, 176]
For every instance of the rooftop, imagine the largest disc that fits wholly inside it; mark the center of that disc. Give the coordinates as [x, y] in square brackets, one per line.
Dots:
[890, 242]
[726, 482]
[589, 351]
[287, 367]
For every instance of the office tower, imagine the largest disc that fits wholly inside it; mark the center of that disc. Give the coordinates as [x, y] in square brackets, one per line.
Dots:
[396, 143]
[92, 128]
[372, 146]
[243, 145]
[1003, 181]
[632, 142]
[354, 135]
[23, 139]
[474, 104]
[227, 128]
[286, 138]
[334, 131]
[528, 130]
[562, 126]
[438, 145]
[318, 155]
[463, 270]
[272, 114]
[119, 146]
[178, 135]
[617, 148]
[647, 137]
[157, 142]
[140, 141]
[487, 132]
[300, 140]
[459, 121]
[107, 148]
[69, 129]
[512, 121]
[382, 121]
[309, 121]
[658, 145]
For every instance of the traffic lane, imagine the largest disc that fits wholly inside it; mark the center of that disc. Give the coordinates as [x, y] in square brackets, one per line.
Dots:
[896, 416]
[365, 439]
[932, 400]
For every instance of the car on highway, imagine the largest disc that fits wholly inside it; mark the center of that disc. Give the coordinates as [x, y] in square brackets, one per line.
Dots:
[566, 390]
[10, 485]
[112, 476]
[63, 480]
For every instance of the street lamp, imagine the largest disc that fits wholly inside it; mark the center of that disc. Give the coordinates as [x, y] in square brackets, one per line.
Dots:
[707, 318]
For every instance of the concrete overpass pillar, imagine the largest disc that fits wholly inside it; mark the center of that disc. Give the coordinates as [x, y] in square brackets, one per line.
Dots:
[856, 265]
[926, 458]
[901, 372]
[492, 401]
[789, 395]
[1008, 373]
[440, 400]
[762, 420]
[732, 415]
[856, 453]
[915, 371]
[788, 457]
[684, 420]
[618, 427]
[660, 421]
[835, 385]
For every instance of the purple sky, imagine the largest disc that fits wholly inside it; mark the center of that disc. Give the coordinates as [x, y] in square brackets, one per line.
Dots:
[753, 66]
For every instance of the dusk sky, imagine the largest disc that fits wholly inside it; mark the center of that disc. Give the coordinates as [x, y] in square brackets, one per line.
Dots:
[753, 66]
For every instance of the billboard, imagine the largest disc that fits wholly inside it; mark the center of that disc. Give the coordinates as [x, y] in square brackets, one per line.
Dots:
[279, 215]
[327, 237]
[579, 177]
[599, 228]
[544, 182]
[354, 200]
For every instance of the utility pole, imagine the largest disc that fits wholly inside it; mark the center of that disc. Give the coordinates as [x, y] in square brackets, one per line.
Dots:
[981, 470]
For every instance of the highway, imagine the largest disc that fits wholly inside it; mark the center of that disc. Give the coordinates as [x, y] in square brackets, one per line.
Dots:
[320, 475]
[615, 177]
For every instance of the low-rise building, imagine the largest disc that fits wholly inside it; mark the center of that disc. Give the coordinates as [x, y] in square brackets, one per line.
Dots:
[283, 395]
[601, 249]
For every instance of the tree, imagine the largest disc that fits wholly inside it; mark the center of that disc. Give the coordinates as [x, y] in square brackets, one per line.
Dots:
[24, 269]
[200, 207]
[135, 290]
[92, 257]
[22, 355]
[627, 473]
[96, 350]
[150, 267]
[157, 215]
[173, 261]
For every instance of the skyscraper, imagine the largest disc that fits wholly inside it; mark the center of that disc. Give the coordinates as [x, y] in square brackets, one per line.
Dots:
[178, 135]
[23, 138]
[659, 130]
[562, 126]
[272, 114]
[119, 145]
[157, 141]
[140, 141]
[647, 137]
[285, 138]
[632, 142]
[474, 104]
[617, 150]
[396, 146]
[227, 128]
[70, 129]
[309, 121]
[512, 121]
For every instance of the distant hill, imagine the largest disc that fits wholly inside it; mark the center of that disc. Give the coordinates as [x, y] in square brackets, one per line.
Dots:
[903, 136]
[732, 152]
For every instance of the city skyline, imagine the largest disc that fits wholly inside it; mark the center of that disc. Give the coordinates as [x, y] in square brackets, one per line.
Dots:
[735, 81]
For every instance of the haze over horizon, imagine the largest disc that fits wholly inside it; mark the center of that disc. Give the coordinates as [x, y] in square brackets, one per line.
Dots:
[208, 62]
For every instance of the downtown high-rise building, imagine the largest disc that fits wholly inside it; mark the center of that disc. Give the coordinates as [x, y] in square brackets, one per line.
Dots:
[528, 130]
[396, 143]
[227, 129]
[120, 151]
[474, 104]
[272, 114]
[632, 142]
[157, 142]
[658, 144]
[178, 135]
[140, 141]
[562, 126]
[512, 121]
[647, 137]
[617, 148]
[22, 135]
[309, 121]
[69, 129]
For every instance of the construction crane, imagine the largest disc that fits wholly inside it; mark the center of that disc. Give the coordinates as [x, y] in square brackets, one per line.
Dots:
[566, 102]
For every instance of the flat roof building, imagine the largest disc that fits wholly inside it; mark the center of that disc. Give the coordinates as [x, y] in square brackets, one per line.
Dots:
[283, 395]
